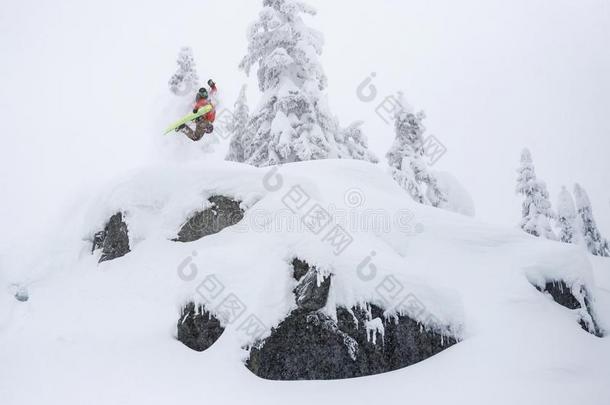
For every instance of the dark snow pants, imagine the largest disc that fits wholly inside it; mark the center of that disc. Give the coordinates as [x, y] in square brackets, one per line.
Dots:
[201, 127]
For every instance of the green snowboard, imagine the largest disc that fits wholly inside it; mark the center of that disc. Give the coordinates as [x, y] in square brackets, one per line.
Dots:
[188, 118]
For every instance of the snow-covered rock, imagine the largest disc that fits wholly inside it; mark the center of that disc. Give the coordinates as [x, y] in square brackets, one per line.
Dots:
[311, 293]
[221, 213]
[445, 274]
[197, 328]
[575, 297]
[22, 294]
[314, 346]
[113, 241]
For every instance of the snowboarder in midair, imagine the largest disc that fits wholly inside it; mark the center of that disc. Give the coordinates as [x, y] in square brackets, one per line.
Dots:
[203, 124]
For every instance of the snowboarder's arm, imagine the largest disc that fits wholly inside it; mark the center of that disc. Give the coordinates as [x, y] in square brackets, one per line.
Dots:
[212, 85]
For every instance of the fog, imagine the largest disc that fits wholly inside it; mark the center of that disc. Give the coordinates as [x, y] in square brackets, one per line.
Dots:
[80, 82]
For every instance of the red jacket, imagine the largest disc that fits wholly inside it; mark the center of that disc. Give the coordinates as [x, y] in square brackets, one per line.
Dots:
[211, 116]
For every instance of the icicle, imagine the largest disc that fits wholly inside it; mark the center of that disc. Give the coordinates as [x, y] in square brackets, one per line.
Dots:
[373, 327]
[184, 318]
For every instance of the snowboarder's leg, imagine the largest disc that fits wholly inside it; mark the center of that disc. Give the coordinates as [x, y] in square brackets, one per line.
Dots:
[188, 131]
[203, 127]
[207, 127]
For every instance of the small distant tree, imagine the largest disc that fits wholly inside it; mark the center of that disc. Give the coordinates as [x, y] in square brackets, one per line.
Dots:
[405, 158]
[566, 217]
[185, 79]
[536, 208]
[239, 128]
[596, 244]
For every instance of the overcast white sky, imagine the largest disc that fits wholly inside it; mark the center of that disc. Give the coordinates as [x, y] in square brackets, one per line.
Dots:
[81, 82]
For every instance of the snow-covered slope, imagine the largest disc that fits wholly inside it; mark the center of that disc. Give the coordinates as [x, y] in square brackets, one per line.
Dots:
[458, 199]
[105, 333]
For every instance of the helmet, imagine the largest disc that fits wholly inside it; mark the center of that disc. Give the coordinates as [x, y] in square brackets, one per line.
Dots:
[203, 93]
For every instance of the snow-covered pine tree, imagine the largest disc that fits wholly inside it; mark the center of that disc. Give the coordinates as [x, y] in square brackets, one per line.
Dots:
[536, 207]
[293, 122]
[185, 79]
[405, 158]
[239, 128]
[355, 143]
[566, 217]
[596, 244]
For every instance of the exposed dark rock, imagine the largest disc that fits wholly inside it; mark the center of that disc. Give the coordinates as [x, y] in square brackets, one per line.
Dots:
[224, 212]
[299, 268]
[563, 295]
[113, 240]
[309, 294]
[98, 240]
[407, 342]
[197, 328]
[305, 346]
[372, 353]
[22, 294]
[310, 345]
